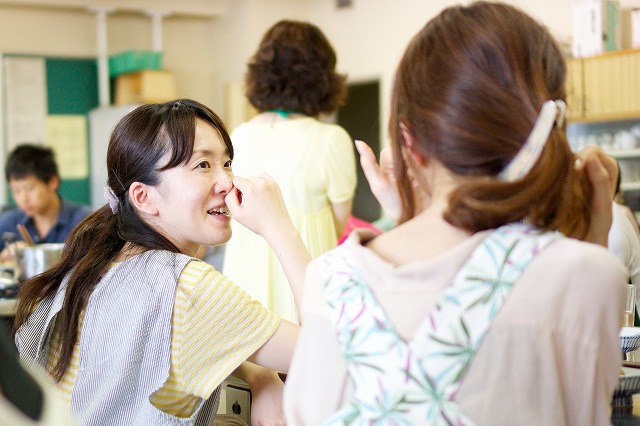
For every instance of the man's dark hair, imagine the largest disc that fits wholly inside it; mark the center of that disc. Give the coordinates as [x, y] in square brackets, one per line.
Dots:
[31, 160]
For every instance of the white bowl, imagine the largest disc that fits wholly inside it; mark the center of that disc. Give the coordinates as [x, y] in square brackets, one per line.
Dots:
[629, 339]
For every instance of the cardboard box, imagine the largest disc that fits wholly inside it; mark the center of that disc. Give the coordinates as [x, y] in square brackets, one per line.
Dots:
[142, 87]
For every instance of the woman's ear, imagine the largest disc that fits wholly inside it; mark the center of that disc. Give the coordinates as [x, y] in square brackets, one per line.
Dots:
[410, 143]
[144, 198]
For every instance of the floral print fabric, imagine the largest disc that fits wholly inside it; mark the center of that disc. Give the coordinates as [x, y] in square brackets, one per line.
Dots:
[405, 383]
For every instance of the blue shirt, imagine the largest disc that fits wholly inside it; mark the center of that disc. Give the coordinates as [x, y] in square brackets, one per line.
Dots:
[70, 215]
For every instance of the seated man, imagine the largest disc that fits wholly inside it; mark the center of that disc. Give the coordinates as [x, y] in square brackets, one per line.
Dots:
[32, 175]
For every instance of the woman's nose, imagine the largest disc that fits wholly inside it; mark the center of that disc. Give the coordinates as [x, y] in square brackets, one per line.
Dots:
[224, 181]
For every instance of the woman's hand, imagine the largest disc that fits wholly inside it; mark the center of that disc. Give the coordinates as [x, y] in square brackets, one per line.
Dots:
[381, 178]
[602, 171]
[266, 394]
[8, 254]
[266, 400]
[257, 203]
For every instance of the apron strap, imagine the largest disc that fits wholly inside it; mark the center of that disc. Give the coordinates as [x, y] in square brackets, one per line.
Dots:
[392, 377]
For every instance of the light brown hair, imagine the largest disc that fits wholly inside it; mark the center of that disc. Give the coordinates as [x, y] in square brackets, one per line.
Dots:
[469, 88]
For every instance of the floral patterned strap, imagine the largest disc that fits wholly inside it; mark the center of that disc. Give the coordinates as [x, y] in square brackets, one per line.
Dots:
[399, 382]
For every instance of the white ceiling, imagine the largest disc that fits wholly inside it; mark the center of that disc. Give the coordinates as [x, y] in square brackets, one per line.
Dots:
[193, 8]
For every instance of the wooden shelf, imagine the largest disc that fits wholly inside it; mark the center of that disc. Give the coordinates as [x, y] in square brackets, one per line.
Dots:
[604, 88]
[604, 118]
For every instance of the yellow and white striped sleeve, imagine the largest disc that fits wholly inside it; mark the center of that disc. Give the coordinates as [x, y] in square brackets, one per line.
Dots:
[218, 326]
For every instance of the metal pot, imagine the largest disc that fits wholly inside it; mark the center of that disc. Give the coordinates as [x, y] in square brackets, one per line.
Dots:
[34, 260]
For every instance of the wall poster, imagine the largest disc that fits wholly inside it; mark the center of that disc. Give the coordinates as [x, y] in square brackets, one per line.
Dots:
[26, 100]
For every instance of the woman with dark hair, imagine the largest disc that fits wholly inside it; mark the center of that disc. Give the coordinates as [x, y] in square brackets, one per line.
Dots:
[474, 309]
[291, 80]
[134, 329]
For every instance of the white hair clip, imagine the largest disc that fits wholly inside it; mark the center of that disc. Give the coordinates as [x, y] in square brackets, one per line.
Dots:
[112, 199]
[552, 113]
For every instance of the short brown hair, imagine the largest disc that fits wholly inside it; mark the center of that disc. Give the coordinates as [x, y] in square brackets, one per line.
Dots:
[294, 70]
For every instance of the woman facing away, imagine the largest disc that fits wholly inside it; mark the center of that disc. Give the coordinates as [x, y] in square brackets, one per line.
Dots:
[291, 80]
[134, 329]
[474, 309]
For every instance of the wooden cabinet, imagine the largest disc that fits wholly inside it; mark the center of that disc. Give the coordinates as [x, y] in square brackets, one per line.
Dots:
[575, 89]
[603, 98]
[604, 87]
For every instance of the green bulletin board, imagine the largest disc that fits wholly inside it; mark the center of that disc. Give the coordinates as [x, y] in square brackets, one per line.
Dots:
[71, 89]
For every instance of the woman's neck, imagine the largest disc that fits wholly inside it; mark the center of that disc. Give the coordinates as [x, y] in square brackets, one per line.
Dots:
[278, 116]
[128, 250]
[423, 237]
[407, 243]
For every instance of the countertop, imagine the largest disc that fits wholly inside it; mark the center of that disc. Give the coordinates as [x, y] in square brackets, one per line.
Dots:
[7, 307]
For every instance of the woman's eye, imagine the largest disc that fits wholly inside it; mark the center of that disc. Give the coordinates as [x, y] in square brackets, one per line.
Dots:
[227, 164]
[203, 165]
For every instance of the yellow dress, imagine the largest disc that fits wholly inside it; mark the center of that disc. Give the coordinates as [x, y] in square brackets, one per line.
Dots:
[314, 164]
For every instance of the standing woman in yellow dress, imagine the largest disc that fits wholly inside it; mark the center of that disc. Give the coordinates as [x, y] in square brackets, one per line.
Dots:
[291, 80]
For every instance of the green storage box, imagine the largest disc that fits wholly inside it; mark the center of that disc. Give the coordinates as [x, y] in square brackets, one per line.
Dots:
[134, 60]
